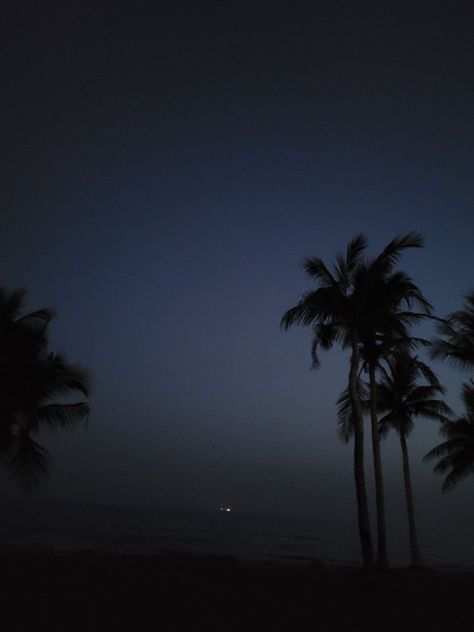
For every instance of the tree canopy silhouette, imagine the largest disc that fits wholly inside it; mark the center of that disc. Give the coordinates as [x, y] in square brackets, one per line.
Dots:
[365, 306]
[456, 454]
[456, 341]
[34, 386]
[402, 398]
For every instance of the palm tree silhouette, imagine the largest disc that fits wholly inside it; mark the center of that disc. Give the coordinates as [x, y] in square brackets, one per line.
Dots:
[402, 398]
[357, 305]
[33, 385]
[390, 297]
[457, 336]
[331, 312]
[456, 454]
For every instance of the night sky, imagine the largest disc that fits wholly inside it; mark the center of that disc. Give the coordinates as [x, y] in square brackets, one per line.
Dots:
[166, 168]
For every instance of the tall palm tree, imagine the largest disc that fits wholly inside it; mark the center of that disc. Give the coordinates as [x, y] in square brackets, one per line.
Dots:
[331, 312]
[391, 297]
[402, 398]
[457, 336]
[456, 454]
[34, 388]
[348, 307]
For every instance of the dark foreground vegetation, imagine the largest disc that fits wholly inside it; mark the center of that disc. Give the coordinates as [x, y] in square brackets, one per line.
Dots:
[180, 592]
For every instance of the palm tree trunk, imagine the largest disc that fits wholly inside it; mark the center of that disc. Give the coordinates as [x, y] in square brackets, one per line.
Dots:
[361, 494]
[382, 563]
[414, 548]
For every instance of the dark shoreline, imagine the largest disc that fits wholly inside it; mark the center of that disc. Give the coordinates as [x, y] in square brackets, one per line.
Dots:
[98, 591]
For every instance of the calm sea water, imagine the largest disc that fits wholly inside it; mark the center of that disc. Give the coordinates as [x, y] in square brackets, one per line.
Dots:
[63, 527]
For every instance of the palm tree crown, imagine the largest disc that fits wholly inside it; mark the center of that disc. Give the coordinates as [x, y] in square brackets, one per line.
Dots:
[399, 396]
[359, 298]
[456, 454]
[457, 336]
[402, 398]
[329, 309]
[34, 387]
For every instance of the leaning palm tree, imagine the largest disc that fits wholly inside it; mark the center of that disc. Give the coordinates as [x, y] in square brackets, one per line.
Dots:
[456, 341]
[456, 454]
[34, 388]
[346, 308]
[402, 398]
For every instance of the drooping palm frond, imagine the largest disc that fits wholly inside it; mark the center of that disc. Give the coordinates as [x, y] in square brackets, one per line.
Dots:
[58, 377]
[435, 410]
[41, 317]
[11, 304]
[458, 461]
[345, 415]
[61, 415]
[395, 419]
[456, 341]
[468, 398]
[400, 289]
[325, 335]
[315, 306]
[392, 252]
[321, 305]
[421, 394]
[456, 454]
[28, 461]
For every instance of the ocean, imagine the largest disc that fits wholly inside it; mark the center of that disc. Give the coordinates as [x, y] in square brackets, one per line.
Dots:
[38, 526]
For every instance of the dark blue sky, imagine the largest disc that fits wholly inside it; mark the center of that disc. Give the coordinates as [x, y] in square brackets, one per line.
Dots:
[165, 171]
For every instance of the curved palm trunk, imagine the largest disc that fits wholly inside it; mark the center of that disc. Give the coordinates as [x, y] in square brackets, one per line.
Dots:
[361, 494]
[414, 548]
[378, 475]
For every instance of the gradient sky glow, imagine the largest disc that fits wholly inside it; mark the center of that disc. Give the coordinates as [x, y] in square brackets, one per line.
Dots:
[166, 171]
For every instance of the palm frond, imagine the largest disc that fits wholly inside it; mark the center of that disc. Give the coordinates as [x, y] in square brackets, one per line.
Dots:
[396, 420]
[61, 415]
[456, 454]
[41, 316]
[435, 411]
[467, 397]
[393, 250]
[11, 303]
[305, 312]
[456, 341]
[317, 269]
[346, 263]
[440, 450]
[324, 336]
[423, 392]
[456, 475]
[29, 461]
[345, 416]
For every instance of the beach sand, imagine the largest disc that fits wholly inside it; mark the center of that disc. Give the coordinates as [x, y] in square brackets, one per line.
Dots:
[91, 591]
